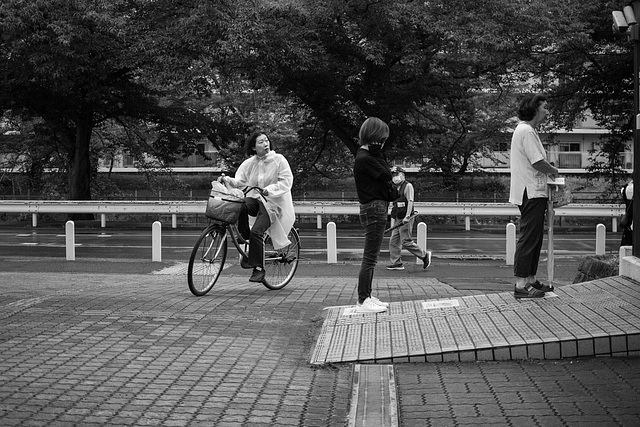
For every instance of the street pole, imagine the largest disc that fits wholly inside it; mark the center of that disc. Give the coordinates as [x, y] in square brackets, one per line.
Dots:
[635, 36]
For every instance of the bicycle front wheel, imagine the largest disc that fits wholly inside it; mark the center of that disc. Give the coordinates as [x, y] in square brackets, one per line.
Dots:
[207, 259]
[280, 264]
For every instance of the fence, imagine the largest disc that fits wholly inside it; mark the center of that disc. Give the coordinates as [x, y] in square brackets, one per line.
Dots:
[319, 209]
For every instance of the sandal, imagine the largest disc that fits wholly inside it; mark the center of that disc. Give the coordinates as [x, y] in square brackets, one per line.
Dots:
[528, 292]
[541, 286]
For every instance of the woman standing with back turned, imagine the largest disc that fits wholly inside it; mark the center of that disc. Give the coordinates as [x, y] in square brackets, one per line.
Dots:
[371, 173]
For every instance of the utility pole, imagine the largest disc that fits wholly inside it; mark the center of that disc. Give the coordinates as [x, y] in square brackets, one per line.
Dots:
[635, 37]
[626, 22]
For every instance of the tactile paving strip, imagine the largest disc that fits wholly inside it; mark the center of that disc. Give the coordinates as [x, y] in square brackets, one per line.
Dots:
[601, 317]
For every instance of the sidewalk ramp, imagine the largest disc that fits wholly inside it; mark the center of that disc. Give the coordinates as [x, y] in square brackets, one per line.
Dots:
[597, 318]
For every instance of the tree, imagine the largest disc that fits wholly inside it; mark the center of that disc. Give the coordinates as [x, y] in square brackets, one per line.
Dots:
[81, 64]
[589, 68]
[442, 74]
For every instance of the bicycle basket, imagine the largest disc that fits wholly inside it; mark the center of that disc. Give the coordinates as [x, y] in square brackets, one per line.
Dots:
[223, 207]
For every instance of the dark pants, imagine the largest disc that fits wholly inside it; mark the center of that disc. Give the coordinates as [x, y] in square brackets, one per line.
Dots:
[254, 207]
[527, 256]
[373, 217]
[627, 233]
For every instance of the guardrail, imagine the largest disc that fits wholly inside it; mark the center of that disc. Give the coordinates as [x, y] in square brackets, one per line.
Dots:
[316, 208]
[319, 209]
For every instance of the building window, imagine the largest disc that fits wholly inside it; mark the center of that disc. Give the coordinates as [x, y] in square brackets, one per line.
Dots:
[569, 155]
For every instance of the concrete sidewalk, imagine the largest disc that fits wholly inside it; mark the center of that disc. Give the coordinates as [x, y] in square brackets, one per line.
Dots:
[98, 342]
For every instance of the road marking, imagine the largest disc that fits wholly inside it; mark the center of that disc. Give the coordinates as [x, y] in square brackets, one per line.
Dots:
[429, 305]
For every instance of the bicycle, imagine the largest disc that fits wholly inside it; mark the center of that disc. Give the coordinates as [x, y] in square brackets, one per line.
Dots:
[210, 253]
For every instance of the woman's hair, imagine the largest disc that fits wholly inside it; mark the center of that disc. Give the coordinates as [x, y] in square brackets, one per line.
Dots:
[250, 144]
[529, 105]
[373, 130]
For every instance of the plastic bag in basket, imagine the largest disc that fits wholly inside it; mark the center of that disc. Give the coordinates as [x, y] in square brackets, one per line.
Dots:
[222, 205]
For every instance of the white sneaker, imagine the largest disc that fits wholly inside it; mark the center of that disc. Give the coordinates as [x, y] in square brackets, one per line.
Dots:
[368, 306]
[380, 303]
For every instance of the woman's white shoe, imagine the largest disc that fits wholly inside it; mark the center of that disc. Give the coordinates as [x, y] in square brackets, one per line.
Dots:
[380, 303]
[368, 306]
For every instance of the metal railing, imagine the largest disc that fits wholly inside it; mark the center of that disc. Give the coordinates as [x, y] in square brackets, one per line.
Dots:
[319, 209]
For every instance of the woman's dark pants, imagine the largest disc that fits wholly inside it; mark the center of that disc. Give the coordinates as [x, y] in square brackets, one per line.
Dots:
[527, 256]
[254, 207]
[373, 217]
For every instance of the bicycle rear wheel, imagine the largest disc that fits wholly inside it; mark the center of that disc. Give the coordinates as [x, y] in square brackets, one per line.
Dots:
[207, 259]
[280, 264]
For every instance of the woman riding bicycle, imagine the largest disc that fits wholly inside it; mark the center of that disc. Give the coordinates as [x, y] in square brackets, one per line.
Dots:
[272, 206]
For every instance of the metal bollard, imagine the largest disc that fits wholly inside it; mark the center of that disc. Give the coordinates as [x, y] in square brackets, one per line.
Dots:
[70, 240]
[511, 243]
[422, 239]
[103, 220]
[332, 245]
[156, 242]
[601, 231]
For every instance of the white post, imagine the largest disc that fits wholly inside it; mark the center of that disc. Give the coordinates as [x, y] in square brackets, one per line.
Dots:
[614, 225]
[174, 221]
[511, 243]
[332, 245]
[421, 239]
[34, 220]
[156, 242]
[103, 220]
[467, 223]
[319, 222]
[601, 231]
[551, 260]
[70, 240]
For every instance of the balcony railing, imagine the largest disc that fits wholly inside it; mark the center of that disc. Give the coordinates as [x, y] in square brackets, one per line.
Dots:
[563, 159]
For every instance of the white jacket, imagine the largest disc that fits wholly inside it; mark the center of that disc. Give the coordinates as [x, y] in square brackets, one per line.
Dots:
[273, 173]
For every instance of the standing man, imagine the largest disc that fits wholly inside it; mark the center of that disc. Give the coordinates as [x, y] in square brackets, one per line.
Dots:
[401, 212]
[529, 173]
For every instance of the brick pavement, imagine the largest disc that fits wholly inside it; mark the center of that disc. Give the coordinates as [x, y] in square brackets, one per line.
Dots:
[104, 348]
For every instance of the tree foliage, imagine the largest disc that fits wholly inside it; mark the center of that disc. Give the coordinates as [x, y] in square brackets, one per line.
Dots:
[443, 74]
[78, 65]
[156, 76]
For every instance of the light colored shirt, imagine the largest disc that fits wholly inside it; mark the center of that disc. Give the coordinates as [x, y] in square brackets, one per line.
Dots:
[273, 173]
[526, 149]
[628, 189]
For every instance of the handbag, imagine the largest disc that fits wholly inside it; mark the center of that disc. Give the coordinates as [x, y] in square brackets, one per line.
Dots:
[561, 196]
[223, 206]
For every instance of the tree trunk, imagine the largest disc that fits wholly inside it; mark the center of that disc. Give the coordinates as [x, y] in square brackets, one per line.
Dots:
[80, 166]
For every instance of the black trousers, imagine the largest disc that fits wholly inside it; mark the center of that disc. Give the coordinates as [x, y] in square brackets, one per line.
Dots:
[527, 256]
[254, 207]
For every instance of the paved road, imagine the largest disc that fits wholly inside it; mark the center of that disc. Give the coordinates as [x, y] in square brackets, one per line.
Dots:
[110, 342]
[177, 243]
